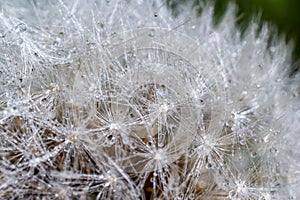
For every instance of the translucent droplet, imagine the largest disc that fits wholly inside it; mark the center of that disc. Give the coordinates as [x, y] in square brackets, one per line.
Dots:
[61, 34]
[20, 28]
[132, 145]
[192, 196]
[253, 154]
[2, 34]
[208, 166]
[150, 143]
[273, 49]
[292, 197]
[180, 196]
[20, 41]
[56, 43]
[273, 150]
[152, 33]
[155, 14]
[243, 142]
[110, 139]
[232, 194]
[92, 46]
[105, 43]
[191, 152]
[275, 133]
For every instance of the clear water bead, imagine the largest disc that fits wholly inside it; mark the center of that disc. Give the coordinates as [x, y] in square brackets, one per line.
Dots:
[20, 28]
[91, 46]
[152, 33]
[20, 41]
[243, 142]
[273, 150]
[2, 34]
[253, 154]
[208, 166]
[232, 194]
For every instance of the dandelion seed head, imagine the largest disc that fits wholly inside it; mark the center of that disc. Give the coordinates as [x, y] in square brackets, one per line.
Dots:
[123, 100]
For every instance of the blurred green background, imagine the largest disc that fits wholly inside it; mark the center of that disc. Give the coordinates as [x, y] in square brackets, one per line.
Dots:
[283, 14]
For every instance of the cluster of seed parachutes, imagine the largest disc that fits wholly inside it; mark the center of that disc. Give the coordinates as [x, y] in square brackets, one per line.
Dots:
[144, 113]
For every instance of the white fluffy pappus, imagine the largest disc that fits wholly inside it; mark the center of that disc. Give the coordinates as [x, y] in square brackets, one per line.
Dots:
[123, 100]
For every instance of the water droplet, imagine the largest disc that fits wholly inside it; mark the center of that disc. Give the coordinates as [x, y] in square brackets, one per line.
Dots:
[92, 46]
[20, 28]
[253, 154]
[273, 150]
[243, 142]
[191, 152]
[232, 194]
[110, 139]
[273, 49]
[56, 42]
[150, 144]
[2, 34]
[132, 145]
[152, 33]
[192, 196]
[105, 43]
[208, 166]
[20, 41]
[292, 197]
[180, 196]
[155, 14]
[61, 34]
[275, 133]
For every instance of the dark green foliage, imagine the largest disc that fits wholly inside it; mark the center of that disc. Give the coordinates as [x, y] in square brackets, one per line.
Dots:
[283, 14]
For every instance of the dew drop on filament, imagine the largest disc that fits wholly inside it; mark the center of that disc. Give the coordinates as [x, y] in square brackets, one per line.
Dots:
[20, 28]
